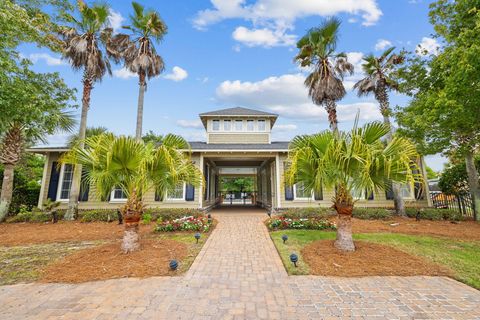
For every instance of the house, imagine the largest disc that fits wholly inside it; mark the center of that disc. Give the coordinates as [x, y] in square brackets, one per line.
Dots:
[239, 143]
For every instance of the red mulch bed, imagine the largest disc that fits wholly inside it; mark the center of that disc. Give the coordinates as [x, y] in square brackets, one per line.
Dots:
[108, 262]
[369, 259]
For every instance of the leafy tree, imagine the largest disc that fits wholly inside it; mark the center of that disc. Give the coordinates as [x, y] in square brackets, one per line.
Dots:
[357, 160]
[378, 81]
[138, 51]
[445, 89]
[317, 50]
[238, 184]
[430, 173]
[454, 179]
[82, 46]
[90, 132]
[135, 167]
[151, 136]
[32, 106]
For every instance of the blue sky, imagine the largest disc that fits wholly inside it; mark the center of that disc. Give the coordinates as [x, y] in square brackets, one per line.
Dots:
[225, 53]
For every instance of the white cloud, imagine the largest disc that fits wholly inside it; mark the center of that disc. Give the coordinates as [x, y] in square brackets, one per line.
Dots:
[285, 127]
[115, 19]
[177, 74]
[196, 124]
[49, 60]
[382, 44]
[285, 12]
[263, 37]
[287, 96]
[428, 46]
[124, 73]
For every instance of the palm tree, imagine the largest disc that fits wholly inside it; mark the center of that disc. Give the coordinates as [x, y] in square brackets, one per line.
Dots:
[378, 81]
[82, 46]
[317, 50]
[89, 132]
[135, 167]
[138, 53]
[351, 162]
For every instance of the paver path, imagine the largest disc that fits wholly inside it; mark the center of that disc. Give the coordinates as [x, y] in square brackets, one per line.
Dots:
[238, 274]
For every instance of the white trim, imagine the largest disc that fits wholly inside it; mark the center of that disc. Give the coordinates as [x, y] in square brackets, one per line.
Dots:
[239, 150]
[207, 182]
[60, 184]
[277, 179]
[168, 199]
[297, 198]
[115, 200]
[412, 191]
[200, 191]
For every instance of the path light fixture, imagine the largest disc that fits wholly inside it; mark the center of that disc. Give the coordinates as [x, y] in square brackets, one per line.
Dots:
[173, 265]
[294, 259]
[197, 236]
[209, 216]
[284, 238]
[269, 214]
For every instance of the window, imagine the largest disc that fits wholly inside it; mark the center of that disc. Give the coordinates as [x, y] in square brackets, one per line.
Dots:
[238, 125]
[358, 194]
[177, 193]
[216, 125]
[406, 191]
[300, 192]
[250, 125]
[118, 195]
[66, 176]
[227, 125]
[261, 125]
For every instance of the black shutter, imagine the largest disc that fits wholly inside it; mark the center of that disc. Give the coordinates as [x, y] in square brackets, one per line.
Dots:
[158, 197]
[190, 193]
[318, 194]
[369, 196]
[53, 185]
[389, 191]
[288, 193]
[84, 188]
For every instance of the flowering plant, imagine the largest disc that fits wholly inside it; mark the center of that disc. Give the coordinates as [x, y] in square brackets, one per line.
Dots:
[189, 223]
[302, 223]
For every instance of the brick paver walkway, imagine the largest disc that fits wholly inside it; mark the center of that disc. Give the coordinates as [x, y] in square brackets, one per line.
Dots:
[239, 275]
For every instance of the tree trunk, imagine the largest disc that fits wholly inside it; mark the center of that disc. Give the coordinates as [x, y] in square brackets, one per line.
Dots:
[331, 108]
[141, 94]
[75, 188]
[131, 238]
[473, 185]
[344, 241]
[132, 212]
[7, 190]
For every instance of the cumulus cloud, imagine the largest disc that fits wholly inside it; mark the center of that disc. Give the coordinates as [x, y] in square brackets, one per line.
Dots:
[428, 46]
[195, 124]
[47, 58]
[177, 74]
[115, 19]
[285, 127]
[263, 37]
[382, 44]
[287, 96]
[124, 73]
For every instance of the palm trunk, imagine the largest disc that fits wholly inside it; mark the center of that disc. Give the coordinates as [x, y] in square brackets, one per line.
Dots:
[473, 184]
[382, 97]
[141, 94]
[132, 212]
[343, 204]
[331, 108]
[7, 190]
[75, 188]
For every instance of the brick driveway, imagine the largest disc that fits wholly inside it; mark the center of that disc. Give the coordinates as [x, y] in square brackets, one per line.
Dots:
[239, 275]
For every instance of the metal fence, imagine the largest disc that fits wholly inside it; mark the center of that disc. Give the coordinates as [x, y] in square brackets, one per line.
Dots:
[459, 203]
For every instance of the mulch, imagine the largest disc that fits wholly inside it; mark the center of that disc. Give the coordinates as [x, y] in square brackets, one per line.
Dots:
[369, 259]
[108, 262]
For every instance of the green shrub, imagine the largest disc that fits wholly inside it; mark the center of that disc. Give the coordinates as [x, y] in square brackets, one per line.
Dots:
[371, 213]
[33, 216]
[434, 214]
[281, 223]
[146, 218]
[187, 223]
[307, 213]
[98, 215]
[165, 214]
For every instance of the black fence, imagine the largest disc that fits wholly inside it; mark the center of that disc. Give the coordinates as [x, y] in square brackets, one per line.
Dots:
[238, 198]
[459, 203]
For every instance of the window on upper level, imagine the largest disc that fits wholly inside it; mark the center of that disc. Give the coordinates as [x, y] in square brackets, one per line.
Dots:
[238, 125]
[216, 125]
[261, 125]
[250, 125]
[227, 125]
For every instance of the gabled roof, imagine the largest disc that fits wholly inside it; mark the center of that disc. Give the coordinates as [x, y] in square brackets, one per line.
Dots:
[238, 112]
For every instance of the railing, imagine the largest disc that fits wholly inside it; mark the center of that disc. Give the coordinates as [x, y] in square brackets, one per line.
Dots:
[460, 203]
[238, 198]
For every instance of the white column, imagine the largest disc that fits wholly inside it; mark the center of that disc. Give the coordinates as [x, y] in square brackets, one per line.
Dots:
[277, 179]
[200, 191]
[44, 179]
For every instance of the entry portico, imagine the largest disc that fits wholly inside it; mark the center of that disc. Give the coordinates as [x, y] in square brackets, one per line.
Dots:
[238, 143]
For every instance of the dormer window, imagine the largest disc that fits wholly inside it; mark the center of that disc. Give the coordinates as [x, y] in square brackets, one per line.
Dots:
[250, 125]
[261, 125]
[238, 125]
[216, 125]
[227, 125]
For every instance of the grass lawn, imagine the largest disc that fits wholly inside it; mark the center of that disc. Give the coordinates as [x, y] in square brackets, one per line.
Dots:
[462, 257]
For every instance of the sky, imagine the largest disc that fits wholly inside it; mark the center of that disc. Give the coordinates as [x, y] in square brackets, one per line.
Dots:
[227, 53]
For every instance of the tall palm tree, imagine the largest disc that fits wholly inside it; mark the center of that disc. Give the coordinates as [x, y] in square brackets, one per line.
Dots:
[136, 167]
[317, 49]
[351, 162]
[378, 81]
[82, 46]
[138, 51]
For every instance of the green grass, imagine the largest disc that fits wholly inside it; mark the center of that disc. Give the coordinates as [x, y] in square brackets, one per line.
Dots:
[462, 257]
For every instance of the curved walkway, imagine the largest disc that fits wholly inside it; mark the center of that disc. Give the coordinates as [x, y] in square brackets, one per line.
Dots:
[239, 275]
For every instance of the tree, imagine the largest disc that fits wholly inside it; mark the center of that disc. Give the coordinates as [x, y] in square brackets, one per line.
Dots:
[89, 132]
[151, 136]
[378, 81]
[238, 184]
[82, 47]
[454, 179]
[325, 82]
[135, 167]
[445, 89]
[138, 51]
[351, 162]
[32, 106]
